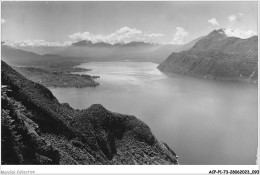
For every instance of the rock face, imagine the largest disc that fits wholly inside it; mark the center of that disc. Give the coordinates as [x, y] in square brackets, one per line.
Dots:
[217, 56]
[37, 129]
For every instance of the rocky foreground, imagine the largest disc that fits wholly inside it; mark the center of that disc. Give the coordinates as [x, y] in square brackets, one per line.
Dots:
[37, 129]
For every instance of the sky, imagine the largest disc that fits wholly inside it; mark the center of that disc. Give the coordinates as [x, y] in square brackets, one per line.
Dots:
[61, 23]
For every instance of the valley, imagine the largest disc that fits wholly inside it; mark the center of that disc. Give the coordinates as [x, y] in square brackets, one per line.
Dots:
[145, 80]
[94, 83]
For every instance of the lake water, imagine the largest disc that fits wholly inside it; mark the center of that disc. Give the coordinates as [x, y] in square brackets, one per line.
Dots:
[204, 121]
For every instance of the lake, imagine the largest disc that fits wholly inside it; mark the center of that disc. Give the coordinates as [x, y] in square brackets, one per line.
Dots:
[204, 121]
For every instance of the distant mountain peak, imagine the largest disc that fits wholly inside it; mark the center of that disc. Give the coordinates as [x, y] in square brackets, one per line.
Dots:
[82, 43]
[104, 44]
[219, 55]
[228, 32]
[221, 31]
[217, 34]
[138, 43]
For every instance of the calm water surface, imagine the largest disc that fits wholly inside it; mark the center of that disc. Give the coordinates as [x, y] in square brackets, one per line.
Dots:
[204, 121]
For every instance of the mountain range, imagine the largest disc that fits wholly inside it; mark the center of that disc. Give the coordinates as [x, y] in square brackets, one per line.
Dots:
[217, 56]
[19, 57]
[133, 51]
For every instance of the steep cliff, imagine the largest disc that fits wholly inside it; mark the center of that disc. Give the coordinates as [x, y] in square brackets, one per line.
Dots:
[37, 129]
[217, 56]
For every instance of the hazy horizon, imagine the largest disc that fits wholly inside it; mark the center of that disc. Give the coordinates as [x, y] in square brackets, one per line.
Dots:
[28, 24]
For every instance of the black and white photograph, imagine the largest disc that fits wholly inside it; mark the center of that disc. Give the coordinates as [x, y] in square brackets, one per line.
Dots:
[129, 83]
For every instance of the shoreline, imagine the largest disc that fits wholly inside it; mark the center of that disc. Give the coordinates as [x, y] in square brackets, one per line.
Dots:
[59, 75]
[244, 81]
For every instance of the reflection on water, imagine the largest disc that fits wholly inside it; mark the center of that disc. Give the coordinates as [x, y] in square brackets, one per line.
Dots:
[204, 121]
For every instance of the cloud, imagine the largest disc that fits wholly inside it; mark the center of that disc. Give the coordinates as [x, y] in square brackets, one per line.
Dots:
[3, 20]
[239, 33]
[232, 18]
[34, 43]
[122, 35]
[179, 36]
[237, 17]
[213, 21]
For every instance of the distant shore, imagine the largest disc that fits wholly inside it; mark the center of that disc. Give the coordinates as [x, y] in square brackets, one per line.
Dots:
[59, 75]
[210, 77]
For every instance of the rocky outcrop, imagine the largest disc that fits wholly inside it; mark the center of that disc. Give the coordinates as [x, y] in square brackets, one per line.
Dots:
[37, 129]
[217, 56]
